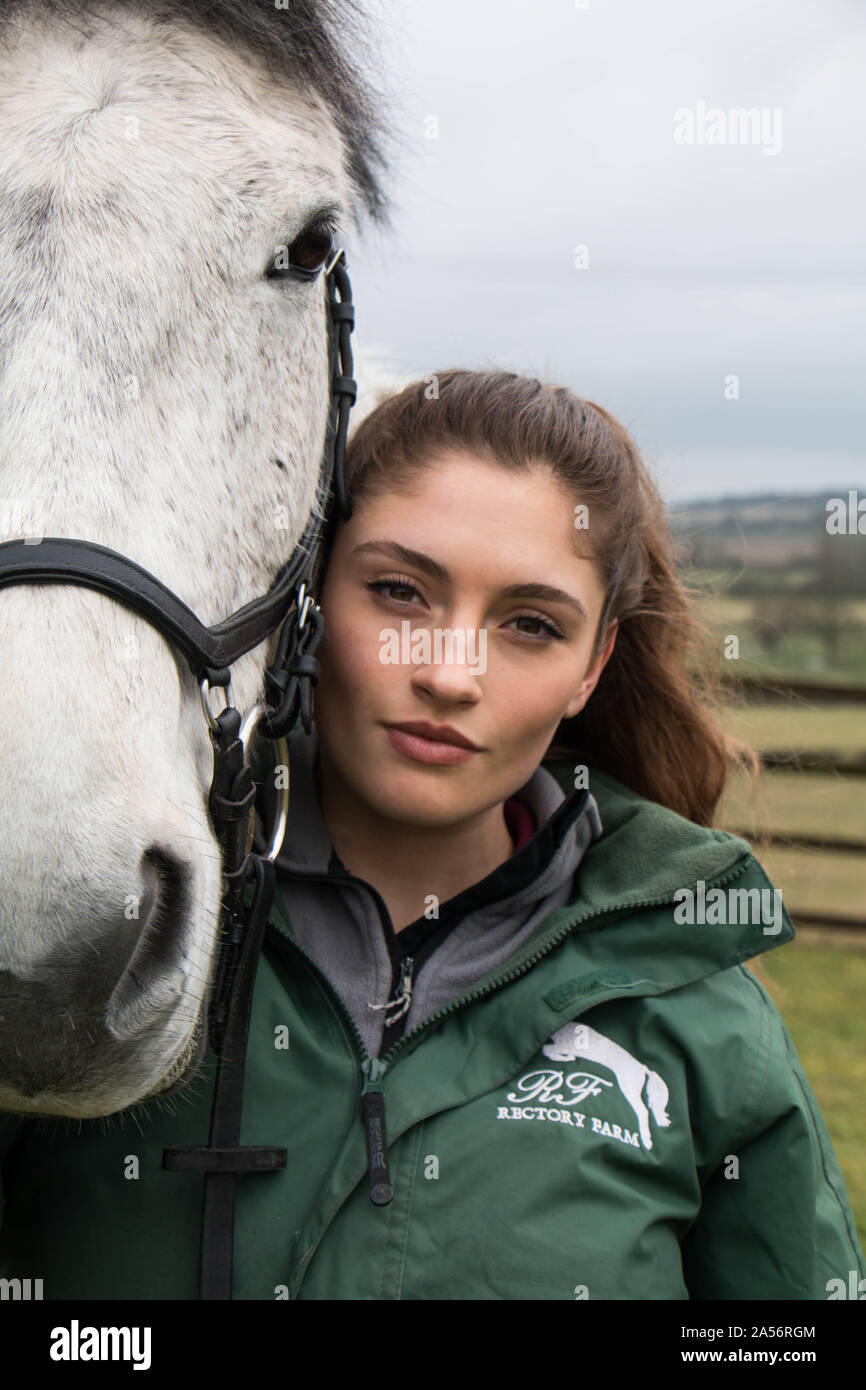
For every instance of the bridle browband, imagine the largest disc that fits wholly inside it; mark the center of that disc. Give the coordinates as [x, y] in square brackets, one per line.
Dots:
[248, 877]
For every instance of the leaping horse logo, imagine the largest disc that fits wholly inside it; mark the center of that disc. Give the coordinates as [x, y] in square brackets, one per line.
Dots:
[578, 1040]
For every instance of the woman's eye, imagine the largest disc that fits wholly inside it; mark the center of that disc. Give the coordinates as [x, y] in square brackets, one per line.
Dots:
[379, 585]
[547, 629]
[306, 255]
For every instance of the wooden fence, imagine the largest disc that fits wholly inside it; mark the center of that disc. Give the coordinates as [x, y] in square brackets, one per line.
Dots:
[809, 761]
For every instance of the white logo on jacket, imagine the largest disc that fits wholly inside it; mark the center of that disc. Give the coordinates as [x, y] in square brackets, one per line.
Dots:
[578, 1040]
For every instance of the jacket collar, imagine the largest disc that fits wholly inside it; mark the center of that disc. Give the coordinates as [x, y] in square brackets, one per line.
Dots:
[645, 855]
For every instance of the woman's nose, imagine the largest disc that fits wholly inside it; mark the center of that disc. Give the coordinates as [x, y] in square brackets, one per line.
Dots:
[449, 661]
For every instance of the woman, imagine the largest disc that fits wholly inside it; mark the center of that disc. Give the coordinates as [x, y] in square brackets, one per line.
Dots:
[501, 1023]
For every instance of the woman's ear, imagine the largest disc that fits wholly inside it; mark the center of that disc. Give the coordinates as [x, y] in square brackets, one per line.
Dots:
[590, 680]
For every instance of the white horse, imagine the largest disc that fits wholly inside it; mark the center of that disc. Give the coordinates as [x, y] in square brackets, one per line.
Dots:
[160, 394]
[578, 1041]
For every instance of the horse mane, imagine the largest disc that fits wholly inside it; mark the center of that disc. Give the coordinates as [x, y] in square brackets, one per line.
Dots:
[325, 42]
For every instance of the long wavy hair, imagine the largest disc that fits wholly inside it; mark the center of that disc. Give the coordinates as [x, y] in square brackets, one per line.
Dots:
[655, 720]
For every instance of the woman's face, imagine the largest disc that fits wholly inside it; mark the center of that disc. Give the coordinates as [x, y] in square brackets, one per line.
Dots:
[487, 555]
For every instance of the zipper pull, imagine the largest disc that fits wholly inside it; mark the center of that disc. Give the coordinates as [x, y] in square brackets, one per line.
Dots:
[373, 1115]
[404, 996]
[402, 1001]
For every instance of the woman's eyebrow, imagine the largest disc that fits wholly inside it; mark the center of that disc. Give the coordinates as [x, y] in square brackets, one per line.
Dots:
[545, 591]
[428, 565]
[409, 557]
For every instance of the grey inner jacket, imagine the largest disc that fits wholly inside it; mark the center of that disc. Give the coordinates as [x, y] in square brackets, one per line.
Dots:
[343, 923]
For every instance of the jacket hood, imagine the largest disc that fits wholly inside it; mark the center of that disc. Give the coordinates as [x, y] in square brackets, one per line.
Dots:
[648, 881]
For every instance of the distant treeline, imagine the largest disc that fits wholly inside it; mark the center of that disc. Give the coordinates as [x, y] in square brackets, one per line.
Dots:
[771, 545]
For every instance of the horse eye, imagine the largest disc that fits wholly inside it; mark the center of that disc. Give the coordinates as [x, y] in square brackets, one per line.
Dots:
[305, 257]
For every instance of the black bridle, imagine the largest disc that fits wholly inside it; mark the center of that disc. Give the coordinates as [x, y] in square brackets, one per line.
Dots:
[248, 877]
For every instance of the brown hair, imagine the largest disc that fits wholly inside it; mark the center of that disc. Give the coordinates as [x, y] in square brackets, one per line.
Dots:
[653, 721]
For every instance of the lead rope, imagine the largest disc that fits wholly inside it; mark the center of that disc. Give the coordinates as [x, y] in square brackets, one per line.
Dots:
[288, 683]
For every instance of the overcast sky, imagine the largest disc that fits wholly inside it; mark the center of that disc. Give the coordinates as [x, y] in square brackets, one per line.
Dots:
[565, 125]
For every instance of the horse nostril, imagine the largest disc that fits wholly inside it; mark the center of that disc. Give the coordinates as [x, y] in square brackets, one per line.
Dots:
[162, 926]
[152, 979]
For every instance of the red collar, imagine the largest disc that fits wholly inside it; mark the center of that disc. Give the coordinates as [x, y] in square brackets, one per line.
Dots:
[520, 822]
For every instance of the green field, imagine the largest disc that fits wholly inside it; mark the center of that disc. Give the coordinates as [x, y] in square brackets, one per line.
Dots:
[818, 983]
[804, 654]
[790, 802]
[782, 633]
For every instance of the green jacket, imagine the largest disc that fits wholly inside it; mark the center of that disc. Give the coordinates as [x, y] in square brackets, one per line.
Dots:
[619, 1113]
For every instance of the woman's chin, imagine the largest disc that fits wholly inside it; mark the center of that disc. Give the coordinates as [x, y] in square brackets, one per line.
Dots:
[423, 801]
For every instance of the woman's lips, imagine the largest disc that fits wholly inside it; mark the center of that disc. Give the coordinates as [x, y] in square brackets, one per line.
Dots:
[428, 750]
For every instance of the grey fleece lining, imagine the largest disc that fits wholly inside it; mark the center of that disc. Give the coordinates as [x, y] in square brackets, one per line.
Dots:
[340, 923]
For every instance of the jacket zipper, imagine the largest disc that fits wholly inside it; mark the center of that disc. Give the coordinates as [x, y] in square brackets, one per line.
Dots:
[373, 1115]
[372, 1096]
[373, 1069]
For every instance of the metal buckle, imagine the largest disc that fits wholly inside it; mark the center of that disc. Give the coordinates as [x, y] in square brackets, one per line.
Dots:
[205, 701]
[249, 724]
